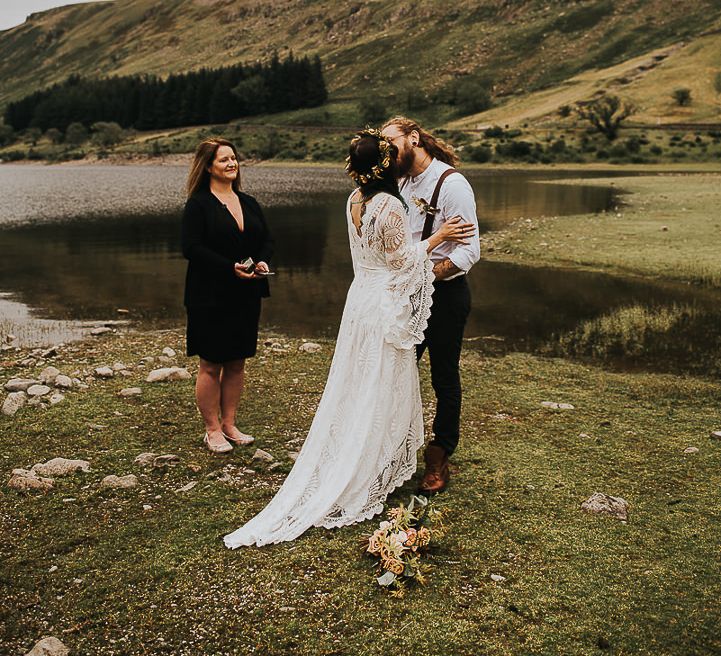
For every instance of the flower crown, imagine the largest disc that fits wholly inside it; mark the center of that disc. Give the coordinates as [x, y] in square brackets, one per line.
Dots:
[384, 160]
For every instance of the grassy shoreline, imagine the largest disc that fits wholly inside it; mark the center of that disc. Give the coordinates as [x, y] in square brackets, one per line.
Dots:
[151, 581]
[666, 226]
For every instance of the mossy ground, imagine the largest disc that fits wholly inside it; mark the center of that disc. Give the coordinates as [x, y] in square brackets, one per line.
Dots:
[159, 581]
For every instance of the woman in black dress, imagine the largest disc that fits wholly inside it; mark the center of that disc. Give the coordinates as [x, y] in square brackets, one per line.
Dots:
[222, 228]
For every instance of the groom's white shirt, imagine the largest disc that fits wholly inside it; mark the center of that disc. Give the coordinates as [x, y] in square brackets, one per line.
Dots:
[456, 199]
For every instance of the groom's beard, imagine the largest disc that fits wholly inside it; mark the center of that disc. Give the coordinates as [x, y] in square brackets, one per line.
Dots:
[405, 162]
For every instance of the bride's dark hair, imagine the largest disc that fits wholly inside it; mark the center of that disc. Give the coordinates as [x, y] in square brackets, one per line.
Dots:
[372, 164]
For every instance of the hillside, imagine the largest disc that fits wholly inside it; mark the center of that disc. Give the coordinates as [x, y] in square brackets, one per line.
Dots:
[371, 47]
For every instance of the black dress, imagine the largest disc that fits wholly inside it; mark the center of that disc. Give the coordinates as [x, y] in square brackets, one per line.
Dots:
[223, 310]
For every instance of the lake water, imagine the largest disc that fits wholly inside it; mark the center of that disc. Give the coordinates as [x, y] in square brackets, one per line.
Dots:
[79, 242]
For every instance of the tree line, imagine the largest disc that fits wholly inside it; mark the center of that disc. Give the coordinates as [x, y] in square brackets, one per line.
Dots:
[146, 102]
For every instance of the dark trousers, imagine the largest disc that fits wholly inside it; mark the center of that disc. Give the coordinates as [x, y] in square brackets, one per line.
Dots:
[444, 339]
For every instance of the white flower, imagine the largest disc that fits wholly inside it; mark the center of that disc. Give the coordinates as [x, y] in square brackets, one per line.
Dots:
[384, 526]
[402, 536]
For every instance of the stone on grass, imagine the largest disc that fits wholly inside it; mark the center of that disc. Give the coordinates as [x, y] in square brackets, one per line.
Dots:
[119, 482]
[691, 449]
[715, 435]
[164, 359]
[20, 384]
[131, 391]
[187, 487]
[104, 372]
[119, 366]
[60, 467]
[310, 347]
[168, 373]
[293, 455]
[603, 504]
[56, 398]
[167, 460]
[63, 381]
[27, 481]
[497, 578]
[145, 459]
[38, 390]
[48, 375]
[13, 402]
[49, 646]
[101, 330]
[263, 455]
[557, 406]
[168, 352]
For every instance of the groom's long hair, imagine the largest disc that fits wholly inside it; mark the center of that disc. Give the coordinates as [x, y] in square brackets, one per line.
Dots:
[433, 146]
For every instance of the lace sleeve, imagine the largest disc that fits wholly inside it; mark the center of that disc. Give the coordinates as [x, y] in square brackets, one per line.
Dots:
[406, 304]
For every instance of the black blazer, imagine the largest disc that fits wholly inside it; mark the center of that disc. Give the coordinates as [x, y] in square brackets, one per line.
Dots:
[212, 243]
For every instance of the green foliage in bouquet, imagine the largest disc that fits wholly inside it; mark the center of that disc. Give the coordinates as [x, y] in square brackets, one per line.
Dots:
[401, 541]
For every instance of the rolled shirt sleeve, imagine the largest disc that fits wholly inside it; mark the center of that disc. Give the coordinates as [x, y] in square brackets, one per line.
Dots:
[457, 199]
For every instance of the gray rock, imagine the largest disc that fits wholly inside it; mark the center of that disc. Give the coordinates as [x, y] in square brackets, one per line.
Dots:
[38, 390]
[690, 449]
[131, 391]
[13, 402]
[145, 459]
[56, 398]
[187, 487]
[166, 460]
[27, 481]
[715, 435]
[603, 504]
[168, 373]
[293, 455]
[119, 482]
[263, 455]
[20, 384]
[164, 359]
[169, 352]
[64, 382]
[498, 578]
[60, 467]
[49, 646]
[310, 347]
[149, 359]
[37, 401]
[104, 372]
[48, 375]
[100, 330]
[557, 406]
[119, 366]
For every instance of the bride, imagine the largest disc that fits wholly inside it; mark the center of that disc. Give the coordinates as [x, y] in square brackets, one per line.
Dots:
[363, 439]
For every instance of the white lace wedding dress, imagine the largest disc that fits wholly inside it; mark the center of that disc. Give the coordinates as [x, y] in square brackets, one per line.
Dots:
[364, 437]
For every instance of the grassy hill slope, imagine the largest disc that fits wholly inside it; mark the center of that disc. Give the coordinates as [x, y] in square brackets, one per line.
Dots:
[368, 47]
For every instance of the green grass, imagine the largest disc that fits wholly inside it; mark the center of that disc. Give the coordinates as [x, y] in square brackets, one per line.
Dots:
[666, 226]
[161, 582]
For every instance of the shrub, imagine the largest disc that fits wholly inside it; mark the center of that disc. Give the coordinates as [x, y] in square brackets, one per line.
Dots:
[564, 111]
[682, 96]
[14, 155]
[557, 146]
[495, 132]
[54, 135]
[106, 133]
[515, 149]
[606, 114]
[472, 97]
[480, 154]
[656, 150]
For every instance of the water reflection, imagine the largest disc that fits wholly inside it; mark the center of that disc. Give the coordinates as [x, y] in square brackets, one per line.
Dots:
[70, 253]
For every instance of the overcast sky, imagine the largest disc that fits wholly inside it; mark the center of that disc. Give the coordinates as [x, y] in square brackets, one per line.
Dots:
[14, 12]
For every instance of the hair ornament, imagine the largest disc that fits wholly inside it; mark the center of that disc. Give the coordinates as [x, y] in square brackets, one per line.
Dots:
[384, 160]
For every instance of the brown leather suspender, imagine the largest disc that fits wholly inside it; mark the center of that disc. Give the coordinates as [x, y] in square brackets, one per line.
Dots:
[430, 216]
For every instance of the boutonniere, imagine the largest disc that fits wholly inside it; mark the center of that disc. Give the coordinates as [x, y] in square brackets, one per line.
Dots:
[424, 205]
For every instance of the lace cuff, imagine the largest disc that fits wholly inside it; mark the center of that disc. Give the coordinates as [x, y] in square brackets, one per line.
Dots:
[406, 304]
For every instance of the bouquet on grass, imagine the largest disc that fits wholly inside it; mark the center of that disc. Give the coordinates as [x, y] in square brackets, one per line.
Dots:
[400, 543]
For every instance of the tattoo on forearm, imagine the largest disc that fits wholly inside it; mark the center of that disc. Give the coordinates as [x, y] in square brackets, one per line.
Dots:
[445, 269]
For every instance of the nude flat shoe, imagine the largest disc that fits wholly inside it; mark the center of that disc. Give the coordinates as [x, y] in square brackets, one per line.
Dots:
[219, 448]
[242, 441]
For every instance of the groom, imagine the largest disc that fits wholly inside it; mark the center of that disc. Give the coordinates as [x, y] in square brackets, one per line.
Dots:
[434, 193]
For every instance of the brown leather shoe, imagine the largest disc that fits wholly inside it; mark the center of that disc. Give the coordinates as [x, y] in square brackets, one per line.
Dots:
[437, 473]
